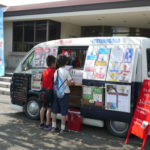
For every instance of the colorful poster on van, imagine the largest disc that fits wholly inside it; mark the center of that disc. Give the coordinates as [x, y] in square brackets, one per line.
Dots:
[36, 80]
[96, 63]
[41, 54]
[2, 62]
[120, 64]
[92, 96]
[117, 97]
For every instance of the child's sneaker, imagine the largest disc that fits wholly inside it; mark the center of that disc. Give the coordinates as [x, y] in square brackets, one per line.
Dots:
[48, 127]
[63, 131]
[55, 130]
[42, 126]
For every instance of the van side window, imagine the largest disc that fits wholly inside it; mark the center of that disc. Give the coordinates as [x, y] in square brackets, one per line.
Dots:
[77, 55]
[27, 65]
[148, 62]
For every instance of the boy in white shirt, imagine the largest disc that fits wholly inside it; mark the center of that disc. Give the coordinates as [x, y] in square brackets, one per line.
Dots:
[61, 104]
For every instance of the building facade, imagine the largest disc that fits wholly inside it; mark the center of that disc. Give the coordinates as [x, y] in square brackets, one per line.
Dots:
[28, 25]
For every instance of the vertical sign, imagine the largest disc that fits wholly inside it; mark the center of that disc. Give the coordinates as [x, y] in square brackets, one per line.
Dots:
[2, 68]
[140, 123]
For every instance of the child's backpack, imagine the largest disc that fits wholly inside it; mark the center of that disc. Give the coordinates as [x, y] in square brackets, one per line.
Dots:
[59, 89]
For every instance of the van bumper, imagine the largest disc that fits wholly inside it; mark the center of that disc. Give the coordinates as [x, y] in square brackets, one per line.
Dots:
[88, 121]
[16, 107]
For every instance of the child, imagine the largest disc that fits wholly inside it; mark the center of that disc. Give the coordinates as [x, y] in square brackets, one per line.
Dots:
[47, 96]
[61, 104]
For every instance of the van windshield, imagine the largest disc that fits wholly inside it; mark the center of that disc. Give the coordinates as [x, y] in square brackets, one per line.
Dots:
[27, 65]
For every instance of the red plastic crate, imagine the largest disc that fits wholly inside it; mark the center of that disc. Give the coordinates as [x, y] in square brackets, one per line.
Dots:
[74, 120]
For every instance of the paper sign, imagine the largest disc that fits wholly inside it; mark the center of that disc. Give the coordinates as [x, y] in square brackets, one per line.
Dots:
[96, 63]
[128, 55]
[117, 54]
[117, 97]
[92, 95]
[120, 64]
[41, 54]
[36, 80]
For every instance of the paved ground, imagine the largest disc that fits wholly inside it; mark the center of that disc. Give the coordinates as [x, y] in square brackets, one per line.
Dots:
[20, 133]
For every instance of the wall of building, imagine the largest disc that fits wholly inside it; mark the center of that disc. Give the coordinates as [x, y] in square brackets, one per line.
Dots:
[70, 30]
[12, 59]
[7, 41]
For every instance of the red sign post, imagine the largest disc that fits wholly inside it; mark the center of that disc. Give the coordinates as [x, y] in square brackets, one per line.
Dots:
[140, 123]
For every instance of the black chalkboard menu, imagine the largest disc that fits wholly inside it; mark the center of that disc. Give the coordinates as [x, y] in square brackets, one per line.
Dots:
[20, 87]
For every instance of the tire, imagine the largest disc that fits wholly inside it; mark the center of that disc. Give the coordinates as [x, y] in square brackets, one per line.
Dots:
[32, 108]
[117, 128]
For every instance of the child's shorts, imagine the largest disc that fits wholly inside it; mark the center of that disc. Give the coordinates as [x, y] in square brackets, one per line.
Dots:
[47, 98]
[60, 105]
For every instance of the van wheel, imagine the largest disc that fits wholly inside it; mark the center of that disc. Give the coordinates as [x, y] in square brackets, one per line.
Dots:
[32, 108]
[117, 128]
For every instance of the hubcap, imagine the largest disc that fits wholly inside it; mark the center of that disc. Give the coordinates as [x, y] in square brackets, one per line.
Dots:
[33, 108]
[118, 126]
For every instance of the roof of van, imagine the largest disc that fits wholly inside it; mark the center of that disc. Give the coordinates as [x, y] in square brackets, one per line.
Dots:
[84, 41]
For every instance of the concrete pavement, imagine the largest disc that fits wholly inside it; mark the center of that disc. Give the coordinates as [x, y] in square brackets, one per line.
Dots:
[20, 133]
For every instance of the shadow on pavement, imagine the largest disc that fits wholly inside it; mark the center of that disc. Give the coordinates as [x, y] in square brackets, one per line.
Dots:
[19, 132]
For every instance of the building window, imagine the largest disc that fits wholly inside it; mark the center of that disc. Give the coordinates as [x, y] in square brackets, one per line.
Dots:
[145, 32]
[54, 30]
[29, 33]
[133, 32]
[107, 31]
[40, 31]
[18, 36]
[90, 31]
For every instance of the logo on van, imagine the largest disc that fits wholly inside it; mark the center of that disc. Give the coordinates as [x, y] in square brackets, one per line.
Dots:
[63, 41]
[102, 41]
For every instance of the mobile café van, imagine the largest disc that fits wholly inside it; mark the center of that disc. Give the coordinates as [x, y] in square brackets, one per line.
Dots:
[108, 73]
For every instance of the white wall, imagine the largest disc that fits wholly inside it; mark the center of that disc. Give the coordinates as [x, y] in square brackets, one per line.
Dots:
[7, 41]
[70, 30]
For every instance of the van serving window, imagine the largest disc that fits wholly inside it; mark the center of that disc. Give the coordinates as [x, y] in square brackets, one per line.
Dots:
[77, 55]
[148, 62]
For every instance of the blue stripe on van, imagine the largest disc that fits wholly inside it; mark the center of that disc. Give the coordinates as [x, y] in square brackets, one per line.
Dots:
[100, 113]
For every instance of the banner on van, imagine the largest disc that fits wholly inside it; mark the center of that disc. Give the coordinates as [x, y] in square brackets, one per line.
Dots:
[2, 63]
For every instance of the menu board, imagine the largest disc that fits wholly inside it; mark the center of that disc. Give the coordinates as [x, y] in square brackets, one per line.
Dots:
[117, 97]
[120, 64]
[20, 88]
[92, 95]
[96, 63]
[36, 79]
[41, 54]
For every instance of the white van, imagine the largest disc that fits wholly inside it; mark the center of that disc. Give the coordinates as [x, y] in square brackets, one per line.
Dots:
[108, 72]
